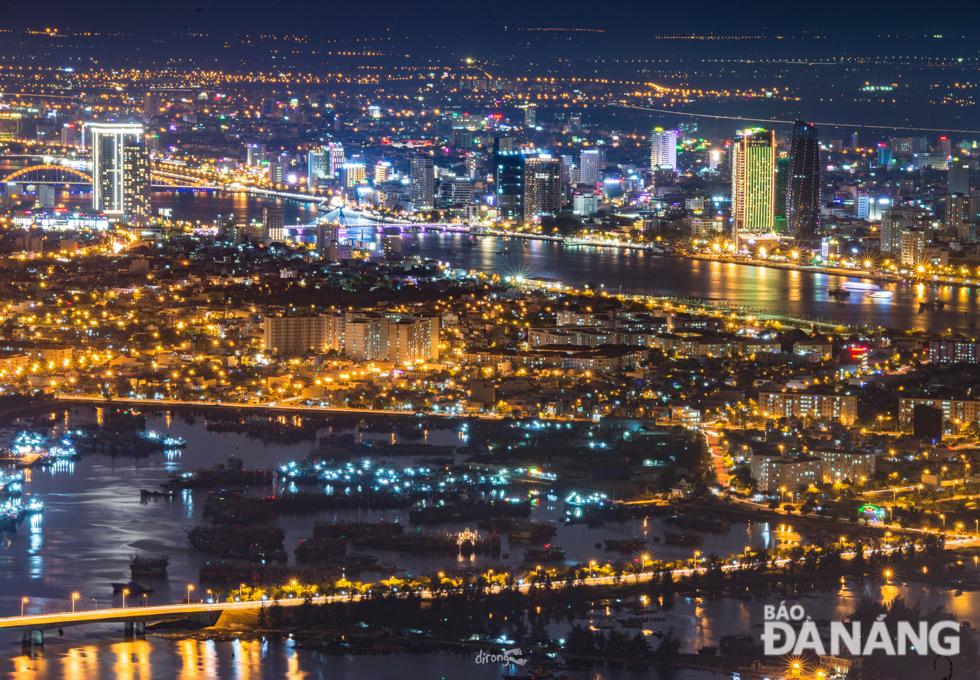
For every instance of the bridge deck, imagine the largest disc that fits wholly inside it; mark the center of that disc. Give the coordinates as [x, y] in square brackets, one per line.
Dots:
[131, 614]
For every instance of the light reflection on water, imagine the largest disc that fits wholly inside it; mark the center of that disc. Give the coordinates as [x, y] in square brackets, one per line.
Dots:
[95, 519]
[258, 660]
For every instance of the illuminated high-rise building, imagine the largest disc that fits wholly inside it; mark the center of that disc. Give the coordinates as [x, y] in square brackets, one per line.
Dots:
[337, 159]
[423, 180]
[590, 166]
[121, 170]
[508, 186]
[354, 174]
[803, 182]
[958, 179]
[542, 187]
[317, 167]
[530, 115]
[753, 183]
[663, 149]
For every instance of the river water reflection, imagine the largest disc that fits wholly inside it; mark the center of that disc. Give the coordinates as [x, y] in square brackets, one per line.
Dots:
[798, 293]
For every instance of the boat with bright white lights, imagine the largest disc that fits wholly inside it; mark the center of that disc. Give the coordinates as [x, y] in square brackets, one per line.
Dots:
[860, 286]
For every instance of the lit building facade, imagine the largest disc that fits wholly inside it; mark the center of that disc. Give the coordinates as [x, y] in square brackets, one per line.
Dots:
[839, 407]
[121, 170]
[590, 166]
[663, 149]
[542, 187]
[508, 183]
[335, 152]
[803, 182]
[423, 182]
[753, 183]
[317, 167]
[954, 410]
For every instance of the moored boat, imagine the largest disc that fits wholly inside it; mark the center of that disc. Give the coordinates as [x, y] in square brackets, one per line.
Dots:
[148, 566]
[550, 553]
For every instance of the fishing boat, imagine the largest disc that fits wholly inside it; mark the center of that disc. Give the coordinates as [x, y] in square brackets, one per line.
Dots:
[148, 566]
[505, 251]
[860, 286]
[839, 293]
[550, 553]
[530, 531]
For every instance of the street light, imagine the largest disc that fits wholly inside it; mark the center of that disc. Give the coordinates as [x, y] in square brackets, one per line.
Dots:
[240, 586]
[189, 589]
[22, 603]
[74, 597]
[124, 594]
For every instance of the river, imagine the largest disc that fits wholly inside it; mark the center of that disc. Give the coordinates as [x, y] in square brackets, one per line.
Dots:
[781, 291]
[94, 519]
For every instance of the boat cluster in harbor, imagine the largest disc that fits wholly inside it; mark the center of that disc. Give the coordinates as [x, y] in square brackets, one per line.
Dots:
[369, 475]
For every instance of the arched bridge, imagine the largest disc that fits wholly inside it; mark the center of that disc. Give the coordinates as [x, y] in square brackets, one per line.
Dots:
[56, 174]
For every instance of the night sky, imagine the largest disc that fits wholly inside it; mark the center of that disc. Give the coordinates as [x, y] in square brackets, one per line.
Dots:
[455, 21]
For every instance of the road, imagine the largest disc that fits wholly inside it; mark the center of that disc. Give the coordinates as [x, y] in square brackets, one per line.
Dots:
[717, 455]
[163, 612]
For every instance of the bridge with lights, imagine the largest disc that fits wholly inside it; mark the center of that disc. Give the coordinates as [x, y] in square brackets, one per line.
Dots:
[134, 619]
[53, 173]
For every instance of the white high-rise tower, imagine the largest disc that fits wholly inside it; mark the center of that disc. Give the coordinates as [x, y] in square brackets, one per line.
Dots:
[120, 170]
[663, 149]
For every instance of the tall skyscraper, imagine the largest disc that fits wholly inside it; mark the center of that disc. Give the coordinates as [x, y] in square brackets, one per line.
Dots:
[782, 187]
[590, 166]
[542, 187]
[337, 159]
[317, 167]
[753, 182]
[423, 180]
[121, 170]
[663, 149]
[530, 115]
[508, 186]
[803, 182]
[958, 179]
